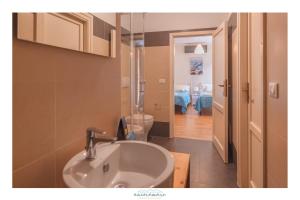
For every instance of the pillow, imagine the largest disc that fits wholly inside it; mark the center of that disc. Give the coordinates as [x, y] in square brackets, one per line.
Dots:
[206, 87]
[182, 88]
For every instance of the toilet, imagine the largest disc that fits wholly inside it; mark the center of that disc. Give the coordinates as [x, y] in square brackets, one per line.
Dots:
[137, 119]
[138, 130]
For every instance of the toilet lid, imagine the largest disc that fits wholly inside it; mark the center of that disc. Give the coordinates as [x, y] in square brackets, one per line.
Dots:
[140, 117]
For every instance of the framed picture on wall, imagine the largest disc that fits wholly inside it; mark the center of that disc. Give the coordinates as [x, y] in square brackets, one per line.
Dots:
[196, 66]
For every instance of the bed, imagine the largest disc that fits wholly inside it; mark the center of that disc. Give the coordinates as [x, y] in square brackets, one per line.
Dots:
[204, 101]
[182, 97]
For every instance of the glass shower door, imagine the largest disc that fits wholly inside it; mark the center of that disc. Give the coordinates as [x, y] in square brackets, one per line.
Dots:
[133, 25]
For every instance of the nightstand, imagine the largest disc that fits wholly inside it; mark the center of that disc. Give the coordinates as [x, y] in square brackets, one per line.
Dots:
[195, 96]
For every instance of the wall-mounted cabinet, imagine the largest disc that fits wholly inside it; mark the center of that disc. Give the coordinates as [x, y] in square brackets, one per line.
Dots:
[77, 31]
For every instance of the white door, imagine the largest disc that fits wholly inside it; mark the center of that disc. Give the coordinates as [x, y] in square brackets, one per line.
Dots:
[256, 99]
[220, 90]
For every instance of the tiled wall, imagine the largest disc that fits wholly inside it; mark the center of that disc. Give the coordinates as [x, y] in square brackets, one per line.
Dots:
[57, 94]
[277, 130]
[157, 65]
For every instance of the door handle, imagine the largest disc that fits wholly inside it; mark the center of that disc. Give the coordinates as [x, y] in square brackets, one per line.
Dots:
[224, 85]
[246, 89]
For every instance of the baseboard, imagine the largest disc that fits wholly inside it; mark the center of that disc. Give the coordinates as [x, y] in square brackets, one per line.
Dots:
[160, 129]
[232, 153]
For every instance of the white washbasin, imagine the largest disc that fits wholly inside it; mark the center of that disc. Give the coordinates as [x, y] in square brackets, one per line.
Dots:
[132, 164]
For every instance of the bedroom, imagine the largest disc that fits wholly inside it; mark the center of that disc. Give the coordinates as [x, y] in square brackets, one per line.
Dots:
[193, 87]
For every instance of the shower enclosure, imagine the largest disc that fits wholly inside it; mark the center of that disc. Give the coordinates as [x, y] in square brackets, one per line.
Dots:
[132, 67]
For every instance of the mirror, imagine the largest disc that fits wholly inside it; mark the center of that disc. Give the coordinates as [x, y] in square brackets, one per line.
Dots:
[93, 33]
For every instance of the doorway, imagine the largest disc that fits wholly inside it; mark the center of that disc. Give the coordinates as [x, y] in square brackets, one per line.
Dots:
[219, 86]
[193, 87]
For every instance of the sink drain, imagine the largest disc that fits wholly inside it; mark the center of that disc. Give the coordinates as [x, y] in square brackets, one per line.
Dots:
[120, 185]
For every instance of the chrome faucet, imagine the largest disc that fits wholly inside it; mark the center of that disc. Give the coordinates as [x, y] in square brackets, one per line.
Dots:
[94, 135]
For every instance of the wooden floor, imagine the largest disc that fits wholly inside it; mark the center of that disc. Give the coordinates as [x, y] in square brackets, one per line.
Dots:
[191, 125]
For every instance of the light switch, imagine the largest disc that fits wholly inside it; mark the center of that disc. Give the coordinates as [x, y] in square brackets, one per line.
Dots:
[162, 80]
[273, 89]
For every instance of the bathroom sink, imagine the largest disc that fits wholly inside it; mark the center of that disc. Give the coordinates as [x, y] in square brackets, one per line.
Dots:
[131, 164]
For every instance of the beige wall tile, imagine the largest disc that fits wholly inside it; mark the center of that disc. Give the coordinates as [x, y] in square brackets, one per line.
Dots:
[33, 121]
[57, 94]
[70, 99]
[29, 62]
[40, 173]
[63, 155]
[78, 66]
[102, 106]
[125, 101]
[157, 94]
[85, 96]
[161, 114]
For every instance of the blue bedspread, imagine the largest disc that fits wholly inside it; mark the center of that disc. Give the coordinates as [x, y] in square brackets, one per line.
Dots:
[204, 101]
[182, 99]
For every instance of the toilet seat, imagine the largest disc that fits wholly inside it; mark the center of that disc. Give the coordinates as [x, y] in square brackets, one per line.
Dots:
[143, 120]
[137, 129]
[141, 116]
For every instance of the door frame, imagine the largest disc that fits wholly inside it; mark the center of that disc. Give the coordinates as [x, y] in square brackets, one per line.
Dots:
[263, 101]
[242, 101]
[172, 36]
[242, 94]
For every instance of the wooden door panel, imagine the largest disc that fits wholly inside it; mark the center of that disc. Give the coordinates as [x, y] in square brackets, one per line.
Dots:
[219, 136]
[219, 59]
[256, 160]
[220, 102]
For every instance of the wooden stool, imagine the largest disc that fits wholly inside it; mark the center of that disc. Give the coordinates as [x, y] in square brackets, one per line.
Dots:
[182, 170]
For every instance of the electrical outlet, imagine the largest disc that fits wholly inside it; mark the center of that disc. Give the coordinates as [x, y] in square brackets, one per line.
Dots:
[273, 89]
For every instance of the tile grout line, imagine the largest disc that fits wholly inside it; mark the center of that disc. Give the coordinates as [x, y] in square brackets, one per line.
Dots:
[45, 155]
[55, 158]
[69, 143]
[32, 162]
